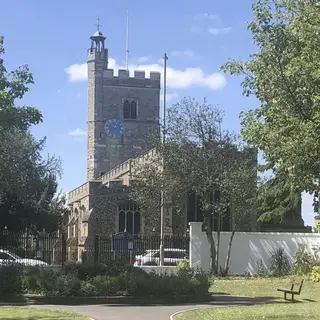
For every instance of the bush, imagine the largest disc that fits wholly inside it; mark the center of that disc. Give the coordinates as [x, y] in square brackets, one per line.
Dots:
[108, 286]
[70, 282]
[279, 263]
[11, 280]
[303, 261]
[155, 285]
[315, 274]
[90, 270]
[87, 289]
[67, 286]
[261, 270]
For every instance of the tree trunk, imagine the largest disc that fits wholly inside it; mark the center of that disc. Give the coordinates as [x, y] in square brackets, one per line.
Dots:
[212, 247]
[226, 267]
[217, 251]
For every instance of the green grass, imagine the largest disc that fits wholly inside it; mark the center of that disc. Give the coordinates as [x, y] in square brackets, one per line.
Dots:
[306, 307]
[21, 313]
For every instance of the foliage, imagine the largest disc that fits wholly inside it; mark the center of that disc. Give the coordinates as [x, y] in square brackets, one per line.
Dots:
[183, 267]
[303, 261]
[10, 280]
[279, 262]
[196, 284]
[199, 157]
[315, 274]
[90, 270]
[284, 76]
[129, 281]
[27, 180]
[277, 201]
[261, 270]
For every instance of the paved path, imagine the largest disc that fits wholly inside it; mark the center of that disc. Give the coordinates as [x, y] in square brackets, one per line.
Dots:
[154, 312]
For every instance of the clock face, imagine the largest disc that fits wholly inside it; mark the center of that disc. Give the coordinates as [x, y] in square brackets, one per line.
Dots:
[114, 128]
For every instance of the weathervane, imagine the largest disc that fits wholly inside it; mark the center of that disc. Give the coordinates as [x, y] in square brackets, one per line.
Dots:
[98, 24]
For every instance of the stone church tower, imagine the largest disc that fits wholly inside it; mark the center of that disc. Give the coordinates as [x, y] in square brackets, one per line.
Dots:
[121, 111]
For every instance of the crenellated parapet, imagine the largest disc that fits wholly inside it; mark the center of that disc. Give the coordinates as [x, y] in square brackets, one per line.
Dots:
[82, 191]
[124, 172]
[139, 79]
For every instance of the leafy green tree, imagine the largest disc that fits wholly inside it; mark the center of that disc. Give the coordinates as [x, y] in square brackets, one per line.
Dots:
[198, 156]
[27, 180]
[284, 75]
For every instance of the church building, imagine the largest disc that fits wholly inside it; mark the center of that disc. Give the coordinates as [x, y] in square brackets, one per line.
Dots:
[121, 111]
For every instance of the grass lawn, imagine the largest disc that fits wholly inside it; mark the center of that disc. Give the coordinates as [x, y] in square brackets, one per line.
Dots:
[307, 307]
[20, 313]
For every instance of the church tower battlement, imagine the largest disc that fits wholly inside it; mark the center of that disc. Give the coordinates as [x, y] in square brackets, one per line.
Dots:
[122, 110]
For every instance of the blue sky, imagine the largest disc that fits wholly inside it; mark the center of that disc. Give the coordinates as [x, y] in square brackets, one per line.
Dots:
[52, 38]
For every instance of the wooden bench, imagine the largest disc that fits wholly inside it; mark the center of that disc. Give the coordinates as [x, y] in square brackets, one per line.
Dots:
[295, 289]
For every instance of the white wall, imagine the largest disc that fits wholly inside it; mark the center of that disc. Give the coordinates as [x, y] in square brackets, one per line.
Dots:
[248, 248]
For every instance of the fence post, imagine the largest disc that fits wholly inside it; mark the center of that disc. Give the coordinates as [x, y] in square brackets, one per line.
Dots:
[63, 248]
[96, 249]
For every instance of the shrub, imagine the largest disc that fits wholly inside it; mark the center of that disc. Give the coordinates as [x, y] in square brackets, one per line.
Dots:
[303, 261]
[87, 289]
[107, 286]
[90, 270]
[261, 270]
[183, 267]
[315, 274]
[10, 280]
[47, 281]
[67, 286]
[279, 262]
[144, 284]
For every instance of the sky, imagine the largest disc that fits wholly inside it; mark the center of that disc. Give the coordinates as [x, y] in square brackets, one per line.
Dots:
[52, 37]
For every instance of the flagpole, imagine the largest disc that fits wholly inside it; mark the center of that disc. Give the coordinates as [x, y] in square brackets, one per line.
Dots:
[165, 58]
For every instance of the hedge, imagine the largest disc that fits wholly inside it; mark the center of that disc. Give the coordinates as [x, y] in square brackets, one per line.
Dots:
[100, 280]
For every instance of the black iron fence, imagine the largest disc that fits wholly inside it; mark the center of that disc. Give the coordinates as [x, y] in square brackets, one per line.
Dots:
[54, 249]
[32, 249]
[127, 249]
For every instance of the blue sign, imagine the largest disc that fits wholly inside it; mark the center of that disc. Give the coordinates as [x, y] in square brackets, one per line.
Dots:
[123, 242]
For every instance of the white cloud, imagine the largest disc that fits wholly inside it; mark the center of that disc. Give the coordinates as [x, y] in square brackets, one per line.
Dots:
[77, 72]
[77, 132]
[178, 79]
[170, 96]
[143, 59]
[205, 16]
[185, 53]
[217, 31]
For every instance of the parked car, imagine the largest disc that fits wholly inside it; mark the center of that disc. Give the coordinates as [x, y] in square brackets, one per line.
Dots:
[152, 257]
[8, 257]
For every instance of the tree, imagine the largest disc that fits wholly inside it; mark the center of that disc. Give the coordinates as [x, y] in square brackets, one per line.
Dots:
[284, 76]
[277, 199]
[27, 180]
[197, 156]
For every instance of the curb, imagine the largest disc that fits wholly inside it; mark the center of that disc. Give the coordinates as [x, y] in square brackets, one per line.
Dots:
[198, 308]
[183, 311]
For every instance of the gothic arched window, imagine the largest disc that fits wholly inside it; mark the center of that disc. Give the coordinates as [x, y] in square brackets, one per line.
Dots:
[133, 110]
[126, 110]
[129, 217]
[130, 110]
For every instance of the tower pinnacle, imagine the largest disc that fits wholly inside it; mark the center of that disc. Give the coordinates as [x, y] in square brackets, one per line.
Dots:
[97, 40]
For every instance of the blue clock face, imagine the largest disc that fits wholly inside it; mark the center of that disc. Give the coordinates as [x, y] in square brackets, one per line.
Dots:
[114, 128]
